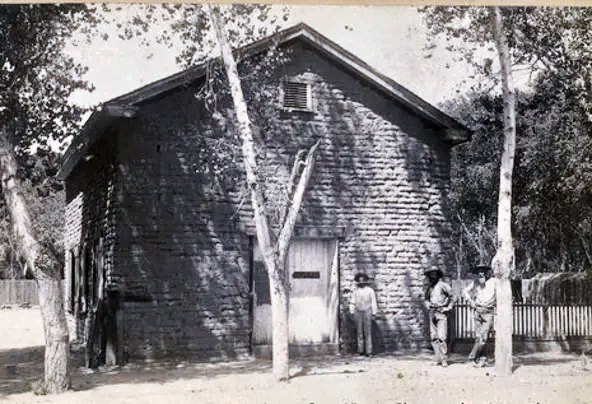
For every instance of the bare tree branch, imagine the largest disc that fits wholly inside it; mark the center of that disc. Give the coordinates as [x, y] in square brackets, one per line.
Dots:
[295, 168]
[290, 222]
[289, 186]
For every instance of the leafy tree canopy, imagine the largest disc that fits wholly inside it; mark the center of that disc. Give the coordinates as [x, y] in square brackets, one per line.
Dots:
[36, 76]
[552, 218]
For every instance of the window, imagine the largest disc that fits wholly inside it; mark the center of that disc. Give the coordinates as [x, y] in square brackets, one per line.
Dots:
[73, 280]
[297, 96]
[261, 283]
[86, 286]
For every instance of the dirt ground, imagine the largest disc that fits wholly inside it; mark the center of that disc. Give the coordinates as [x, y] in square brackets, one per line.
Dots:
[542, 378]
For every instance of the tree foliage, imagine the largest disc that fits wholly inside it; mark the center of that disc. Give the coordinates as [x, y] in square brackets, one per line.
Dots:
[549, 40]
[552, 181]
[45, 196]
[36, 79]
[190, 26]
[36, 76]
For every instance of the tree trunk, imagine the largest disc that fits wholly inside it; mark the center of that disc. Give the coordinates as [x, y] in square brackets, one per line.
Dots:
[503, 261]
[57, 346]
[279, 293]
[274, 254]
[280, 316]
[45, 268]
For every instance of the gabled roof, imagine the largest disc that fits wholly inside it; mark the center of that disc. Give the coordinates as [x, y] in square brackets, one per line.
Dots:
[125, 105]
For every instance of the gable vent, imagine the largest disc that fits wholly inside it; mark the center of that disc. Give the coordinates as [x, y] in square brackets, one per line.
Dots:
[297, 96]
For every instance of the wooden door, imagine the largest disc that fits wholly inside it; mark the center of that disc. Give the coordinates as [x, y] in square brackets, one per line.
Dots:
[312, 265]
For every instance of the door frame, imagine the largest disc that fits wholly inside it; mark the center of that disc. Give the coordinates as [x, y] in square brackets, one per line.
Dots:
[335, 234]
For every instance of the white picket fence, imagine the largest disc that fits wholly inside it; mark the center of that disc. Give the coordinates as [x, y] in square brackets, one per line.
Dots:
[549, 322]
[532, 321]
[15, 292]
[19, 292]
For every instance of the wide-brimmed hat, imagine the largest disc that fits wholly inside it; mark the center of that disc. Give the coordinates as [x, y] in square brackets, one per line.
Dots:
[361, 278]
[434, 270]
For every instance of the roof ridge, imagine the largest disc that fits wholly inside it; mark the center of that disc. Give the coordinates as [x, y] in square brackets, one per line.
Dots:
[194, 72]
[454, 132]
[305, 31]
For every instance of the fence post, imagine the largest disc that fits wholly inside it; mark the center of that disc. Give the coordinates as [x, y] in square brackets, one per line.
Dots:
[5, 293]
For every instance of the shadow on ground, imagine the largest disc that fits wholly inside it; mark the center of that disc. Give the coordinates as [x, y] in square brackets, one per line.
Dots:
[20, 367]
[167, 371]
[543, 359]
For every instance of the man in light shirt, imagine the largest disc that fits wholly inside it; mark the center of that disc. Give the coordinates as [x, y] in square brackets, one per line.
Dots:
[481, 296]
[364, 308]
[439, 300]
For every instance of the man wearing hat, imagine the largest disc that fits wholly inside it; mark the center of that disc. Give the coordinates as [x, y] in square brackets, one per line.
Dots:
[439, 300]
[364, 307]
[481, 296]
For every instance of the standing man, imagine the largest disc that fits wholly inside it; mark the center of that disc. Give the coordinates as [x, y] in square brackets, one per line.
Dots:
[364, 308]
[439, 300]
[481, 296]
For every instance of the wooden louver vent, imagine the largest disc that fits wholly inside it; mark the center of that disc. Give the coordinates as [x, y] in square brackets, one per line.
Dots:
[297, 95]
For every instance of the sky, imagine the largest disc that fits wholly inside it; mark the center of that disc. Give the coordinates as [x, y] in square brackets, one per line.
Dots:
[389, 38]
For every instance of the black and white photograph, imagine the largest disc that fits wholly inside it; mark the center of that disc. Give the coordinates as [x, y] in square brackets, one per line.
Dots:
[295, 203]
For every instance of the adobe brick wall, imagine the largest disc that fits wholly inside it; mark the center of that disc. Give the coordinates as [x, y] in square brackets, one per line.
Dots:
[179, 249]
[89, 216]
[382, 175]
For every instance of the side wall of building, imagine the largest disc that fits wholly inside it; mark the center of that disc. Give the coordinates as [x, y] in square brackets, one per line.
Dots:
[90, 230]
[181, 259]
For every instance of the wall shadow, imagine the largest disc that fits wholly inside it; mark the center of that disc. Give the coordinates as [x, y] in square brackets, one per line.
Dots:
[382, 174]
[183, 235]
[182, 253]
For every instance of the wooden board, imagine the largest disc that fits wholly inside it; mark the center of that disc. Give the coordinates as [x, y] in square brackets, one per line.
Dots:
[313, 270]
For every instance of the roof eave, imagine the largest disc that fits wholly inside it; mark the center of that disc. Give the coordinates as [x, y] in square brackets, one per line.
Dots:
[90, 132]
[451, 131]
[456, 136]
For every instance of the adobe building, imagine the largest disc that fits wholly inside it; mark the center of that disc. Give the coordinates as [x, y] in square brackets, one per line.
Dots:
[167, 251]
